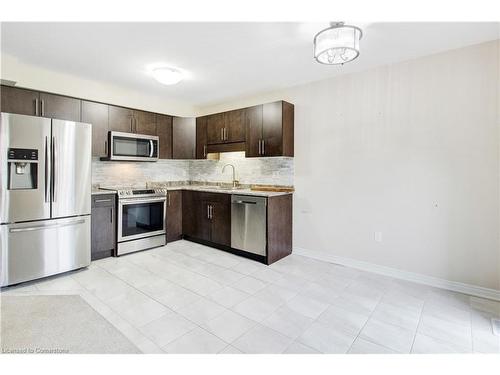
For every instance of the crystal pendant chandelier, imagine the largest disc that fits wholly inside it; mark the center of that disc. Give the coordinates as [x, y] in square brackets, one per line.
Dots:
[337, 44]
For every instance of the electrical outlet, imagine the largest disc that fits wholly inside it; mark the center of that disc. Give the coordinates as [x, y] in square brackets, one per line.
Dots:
[377, 236]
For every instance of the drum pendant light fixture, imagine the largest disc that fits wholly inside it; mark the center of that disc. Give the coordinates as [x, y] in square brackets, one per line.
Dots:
[337, 44]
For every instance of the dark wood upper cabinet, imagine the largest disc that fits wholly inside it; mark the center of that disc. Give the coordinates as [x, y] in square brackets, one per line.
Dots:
[60, 107]
[144, 123]
[215, 128]
[183, 138]
[253, 125]
[103, 232]
[19, 101]
[164, 132]
[269, 130]
[235, 125]
[272, 130]
[201, 137]
[97, 115]
[174, 215]
[120, 119]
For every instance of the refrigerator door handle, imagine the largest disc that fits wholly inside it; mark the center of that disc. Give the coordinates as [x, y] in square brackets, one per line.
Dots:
[47, 190]
[41, 227]
[54, 171]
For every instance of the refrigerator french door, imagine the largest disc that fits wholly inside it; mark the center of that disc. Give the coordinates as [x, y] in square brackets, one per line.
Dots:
[45, 197]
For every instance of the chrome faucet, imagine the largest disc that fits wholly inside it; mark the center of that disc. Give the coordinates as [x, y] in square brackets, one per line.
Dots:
[235, 181]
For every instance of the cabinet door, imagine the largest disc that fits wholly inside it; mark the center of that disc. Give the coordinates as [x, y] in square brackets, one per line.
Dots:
[215, 128]
[103, 232]
[164, 131]
[19, 101]
[221, 221]
[201, 137]
[235, 125]
[195, 222]
[253, 125]
[272, 131]
[174, 215]
[97, 115]
[144, 123]
[120, 119]
[183, 138]
[60, 107]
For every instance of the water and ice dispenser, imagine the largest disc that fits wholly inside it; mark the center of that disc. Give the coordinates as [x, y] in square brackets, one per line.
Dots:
[22, 168]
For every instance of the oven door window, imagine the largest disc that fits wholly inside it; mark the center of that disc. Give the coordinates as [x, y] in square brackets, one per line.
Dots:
[137, 147]
[142, 218]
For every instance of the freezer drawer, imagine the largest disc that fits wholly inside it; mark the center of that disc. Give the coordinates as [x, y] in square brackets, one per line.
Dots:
[33, 250]
[249, 223]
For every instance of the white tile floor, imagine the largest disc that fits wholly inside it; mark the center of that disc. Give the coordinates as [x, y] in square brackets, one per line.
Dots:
[188, 298]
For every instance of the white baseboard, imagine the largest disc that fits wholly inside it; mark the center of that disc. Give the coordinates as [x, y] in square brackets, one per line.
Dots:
[455, 286]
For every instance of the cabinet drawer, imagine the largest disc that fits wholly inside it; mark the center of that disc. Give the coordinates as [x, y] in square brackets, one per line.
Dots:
[103, 200]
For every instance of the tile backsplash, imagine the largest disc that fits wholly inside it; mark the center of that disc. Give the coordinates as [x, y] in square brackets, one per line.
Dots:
[267, 171]
[115, 173]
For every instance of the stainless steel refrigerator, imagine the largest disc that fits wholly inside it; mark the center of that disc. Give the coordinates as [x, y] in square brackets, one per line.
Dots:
[45, 197]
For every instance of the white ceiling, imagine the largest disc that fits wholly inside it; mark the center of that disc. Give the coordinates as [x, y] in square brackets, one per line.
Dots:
[222, 60]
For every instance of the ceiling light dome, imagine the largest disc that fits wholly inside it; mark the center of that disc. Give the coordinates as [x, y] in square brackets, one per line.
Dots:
[337, 44]
[167, 76]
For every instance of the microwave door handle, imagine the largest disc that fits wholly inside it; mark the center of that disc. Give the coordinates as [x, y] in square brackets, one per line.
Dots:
[151, 148]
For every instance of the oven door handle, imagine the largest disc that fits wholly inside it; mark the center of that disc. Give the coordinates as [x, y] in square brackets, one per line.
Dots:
[124, 202]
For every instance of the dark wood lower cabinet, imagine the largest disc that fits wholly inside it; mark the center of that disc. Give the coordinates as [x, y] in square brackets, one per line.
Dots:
[207, 217]
[103, 232]
[174, 215]
[279, 227]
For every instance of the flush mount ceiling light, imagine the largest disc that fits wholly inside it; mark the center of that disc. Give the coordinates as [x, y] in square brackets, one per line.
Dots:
[167, 76]
[337, 44]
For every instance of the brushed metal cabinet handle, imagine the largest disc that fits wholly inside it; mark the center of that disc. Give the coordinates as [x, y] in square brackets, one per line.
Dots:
[42, 107]
[36, 106]
[204, 151]
[259, 148]
[111, 214]
[263, 147]
[221, 134]
[208, 211]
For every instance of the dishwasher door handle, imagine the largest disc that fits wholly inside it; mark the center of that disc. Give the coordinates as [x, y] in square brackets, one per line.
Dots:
[244, 202]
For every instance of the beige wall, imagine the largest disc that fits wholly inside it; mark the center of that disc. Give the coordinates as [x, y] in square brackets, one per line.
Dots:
[37, 78]
[410, 150]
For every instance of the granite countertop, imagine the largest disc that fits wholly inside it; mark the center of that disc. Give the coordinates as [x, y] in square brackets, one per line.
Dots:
[216, 189]
[210, 188]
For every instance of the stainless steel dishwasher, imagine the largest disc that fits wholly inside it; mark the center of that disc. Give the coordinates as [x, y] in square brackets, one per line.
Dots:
[248, 223]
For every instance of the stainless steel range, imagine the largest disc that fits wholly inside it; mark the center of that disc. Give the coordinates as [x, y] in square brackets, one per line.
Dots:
[141, 218]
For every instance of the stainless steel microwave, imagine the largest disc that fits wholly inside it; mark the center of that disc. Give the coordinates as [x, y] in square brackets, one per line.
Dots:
[132, 147]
